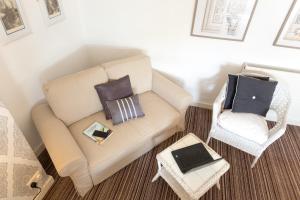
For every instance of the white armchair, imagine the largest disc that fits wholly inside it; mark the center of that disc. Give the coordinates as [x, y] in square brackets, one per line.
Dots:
[261, 137]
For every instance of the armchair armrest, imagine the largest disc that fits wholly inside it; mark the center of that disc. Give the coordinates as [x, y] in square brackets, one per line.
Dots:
[217, 106]
[280, 105]
[279, 129]
[61, 146]
[275, 133]
[172, 93]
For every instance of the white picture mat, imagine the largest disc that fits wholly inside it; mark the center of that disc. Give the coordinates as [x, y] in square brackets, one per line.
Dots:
[6, 38]
[282, 39]
[202, 19]
[53, 19]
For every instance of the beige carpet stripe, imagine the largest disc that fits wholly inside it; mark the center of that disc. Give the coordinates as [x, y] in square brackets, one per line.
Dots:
[276, 175]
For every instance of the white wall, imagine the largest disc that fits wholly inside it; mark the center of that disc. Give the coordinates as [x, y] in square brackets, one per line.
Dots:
[45, 54]
[114, 29]
[162, 29]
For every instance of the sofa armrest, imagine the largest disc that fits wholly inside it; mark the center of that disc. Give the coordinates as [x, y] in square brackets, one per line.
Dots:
[61, 146]
[170, 92]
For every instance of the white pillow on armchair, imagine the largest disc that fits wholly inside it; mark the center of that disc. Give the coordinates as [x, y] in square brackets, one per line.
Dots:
[247, 125]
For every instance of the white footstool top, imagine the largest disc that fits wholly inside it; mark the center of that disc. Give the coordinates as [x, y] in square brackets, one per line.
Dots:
[198, 181]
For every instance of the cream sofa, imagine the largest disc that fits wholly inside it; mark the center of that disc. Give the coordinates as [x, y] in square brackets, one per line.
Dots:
[72, 105]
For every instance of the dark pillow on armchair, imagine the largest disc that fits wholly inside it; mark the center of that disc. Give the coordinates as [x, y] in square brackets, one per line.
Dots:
[253, 95]
[231, 88]
[112, 90]
[125, 109]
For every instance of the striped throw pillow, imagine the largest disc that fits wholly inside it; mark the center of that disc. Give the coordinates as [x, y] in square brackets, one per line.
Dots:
[125, 109]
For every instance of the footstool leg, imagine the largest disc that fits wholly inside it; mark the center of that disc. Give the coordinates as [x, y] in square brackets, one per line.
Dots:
[218, 185]
[157, 175]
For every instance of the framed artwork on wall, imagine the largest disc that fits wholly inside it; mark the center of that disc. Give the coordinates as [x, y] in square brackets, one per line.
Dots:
[13, 21]
[289, 33]
[223, 19]
[52, 11]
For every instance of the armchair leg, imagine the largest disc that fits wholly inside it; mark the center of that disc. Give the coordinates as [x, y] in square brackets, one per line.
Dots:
[209, 136]
[208, 139]
[255, 160]
[218, 185]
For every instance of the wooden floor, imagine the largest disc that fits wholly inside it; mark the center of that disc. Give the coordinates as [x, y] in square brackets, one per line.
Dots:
[275, 176]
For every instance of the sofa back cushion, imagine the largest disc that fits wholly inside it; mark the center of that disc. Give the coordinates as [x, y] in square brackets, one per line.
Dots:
[74, 97]
[138, 68]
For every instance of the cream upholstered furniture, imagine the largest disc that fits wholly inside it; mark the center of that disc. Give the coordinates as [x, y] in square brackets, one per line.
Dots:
[250, 132]
[193, 184]
[73, 104]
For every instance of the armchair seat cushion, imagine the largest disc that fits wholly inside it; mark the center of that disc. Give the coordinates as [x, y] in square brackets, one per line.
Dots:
[129, 140]
[250, 126]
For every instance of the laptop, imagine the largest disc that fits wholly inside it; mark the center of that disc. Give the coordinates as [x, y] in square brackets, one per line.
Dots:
[192, 157]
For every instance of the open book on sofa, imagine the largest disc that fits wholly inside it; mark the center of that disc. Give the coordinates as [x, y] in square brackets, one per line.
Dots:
[97, 132]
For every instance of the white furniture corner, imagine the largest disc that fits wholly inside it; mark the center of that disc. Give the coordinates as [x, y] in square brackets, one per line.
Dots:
[18, 164]
[291, 79]
[237, 137]
[195, 183]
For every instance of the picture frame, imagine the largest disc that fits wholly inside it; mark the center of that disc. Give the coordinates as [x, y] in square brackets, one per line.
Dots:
[223, 19]
[289, 33]
[52, 11]
[14, 24]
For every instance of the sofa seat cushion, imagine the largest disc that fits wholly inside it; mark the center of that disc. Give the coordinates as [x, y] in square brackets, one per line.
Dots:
[159, 115]
[127, 137]
[250, 126]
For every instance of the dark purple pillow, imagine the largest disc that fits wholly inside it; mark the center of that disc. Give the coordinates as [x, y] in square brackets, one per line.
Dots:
[231, 88]
[253, 96]
[112, 90]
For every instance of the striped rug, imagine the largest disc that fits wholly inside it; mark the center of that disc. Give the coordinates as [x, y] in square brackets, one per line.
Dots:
[275, 176]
